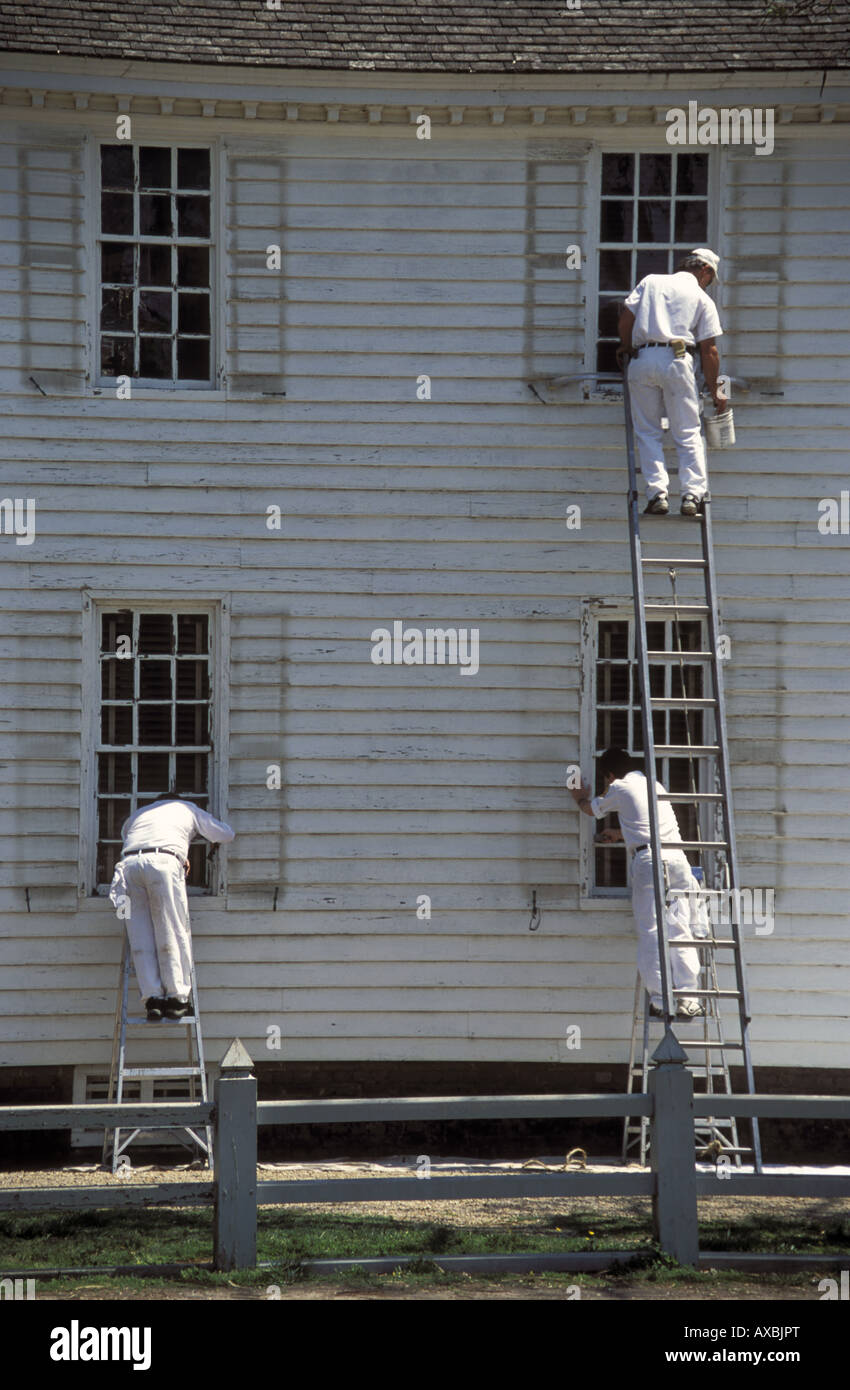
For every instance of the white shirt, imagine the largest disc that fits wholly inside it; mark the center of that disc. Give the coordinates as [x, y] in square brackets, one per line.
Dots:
[172, 825]
[672, 306]
[628, 796]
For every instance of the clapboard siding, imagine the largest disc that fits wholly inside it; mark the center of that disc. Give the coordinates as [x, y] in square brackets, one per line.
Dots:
[402, 260]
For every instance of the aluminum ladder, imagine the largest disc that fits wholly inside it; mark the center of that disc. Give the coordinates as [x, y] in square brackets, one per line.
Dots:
[114, 1146]
[712, 1134]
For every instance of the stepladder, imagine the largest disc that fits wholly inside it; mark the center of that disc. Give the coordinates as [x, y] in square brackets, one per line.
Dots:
[192, 1073]
[679, 655]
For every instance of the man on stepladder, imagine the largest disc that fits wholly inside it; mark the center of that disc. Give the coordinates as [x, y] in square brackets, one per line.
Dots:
[151, 874]
[626, 793]
[666, 319]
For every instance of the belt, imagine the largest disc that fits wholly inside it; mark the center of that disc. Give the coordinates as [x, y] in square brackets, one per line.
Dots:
[691, 347]
[637, 849]
[153, 849]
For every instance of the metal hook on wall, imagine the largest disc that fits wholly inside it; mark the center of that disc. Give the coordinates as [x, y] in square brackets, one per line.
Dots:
[536, 915]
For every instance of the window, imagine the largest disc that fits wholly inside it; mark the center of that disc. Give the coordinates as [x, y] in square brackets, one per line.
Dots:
[154, 721]
[155, 250]
[617, 723]
[653, 209]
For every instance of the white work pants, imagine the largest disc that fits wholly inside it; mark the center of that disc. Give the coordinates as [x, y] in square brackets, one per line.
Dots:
[684, 964]
[662, 384]
[158, 924]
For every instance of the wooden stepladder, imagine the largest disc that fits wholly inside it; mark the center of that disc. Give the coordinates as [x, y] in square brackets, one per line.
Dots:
[117, 1141]
[682, 681]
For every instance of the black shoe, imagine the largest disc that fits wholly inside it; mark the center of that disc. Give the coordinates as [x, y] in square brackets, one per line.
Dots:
[154, 1007]
[174, 1010]
[657, 505]
[691, 506]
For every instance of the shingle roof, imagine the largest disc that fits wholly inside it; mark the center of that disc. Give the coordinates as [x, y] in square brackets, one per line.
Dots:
[441, 36]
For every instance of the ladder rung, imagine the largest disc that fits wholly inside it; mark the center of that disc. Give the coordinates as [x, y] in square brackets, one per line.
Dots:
[694, 844]
[711, 993]
[161, 1071]
[680, 656]
[671, 562]
[701, 941]
[695, 750]
[676, 608]
[682, 702]
[690, 796]
[174, 1022]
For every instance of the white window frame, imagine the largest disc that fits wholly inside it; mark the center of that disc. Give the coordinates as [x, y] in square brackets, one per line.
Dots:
[647, 143]
[152, 387]
[94, 604]
[595, 611]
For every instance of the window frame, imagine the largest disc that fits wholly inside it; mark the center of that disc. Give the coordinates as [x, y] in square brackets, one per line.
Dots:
[615, 144]
[218, 609]
[151, 388]
[594, 612]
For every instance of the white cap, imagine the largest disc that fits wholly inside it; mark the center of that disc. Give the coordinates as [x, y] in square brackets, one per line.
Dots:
[711, 258]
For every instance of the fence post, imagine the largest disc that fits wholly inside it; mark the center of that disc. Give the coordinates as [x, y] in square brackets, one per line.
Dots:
[674, 1201]
[235, 1146]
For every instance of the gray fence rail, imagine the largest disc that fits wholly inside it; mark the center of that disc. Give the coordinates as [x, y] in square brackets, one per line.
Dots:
[673, 1184]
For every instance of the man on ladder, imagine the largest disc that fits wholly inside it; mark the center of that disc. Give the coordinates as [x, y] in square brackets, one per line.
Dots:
[665, 320]
[625, 792]
[151, 876]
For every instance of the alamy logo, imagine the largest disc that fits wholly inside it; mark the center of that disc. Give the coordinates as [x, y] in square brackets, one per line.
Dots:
[728, 126]
[436, 646]
[12, 519]
[77, 1343]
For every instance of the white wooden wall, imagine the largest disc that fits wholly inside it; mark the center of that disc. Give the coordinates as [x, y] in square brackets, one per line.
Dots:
[402, 259]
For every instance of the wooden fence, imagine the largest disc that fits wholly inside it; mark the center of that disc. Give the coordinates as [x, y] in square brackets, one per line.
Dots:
[673, 1183]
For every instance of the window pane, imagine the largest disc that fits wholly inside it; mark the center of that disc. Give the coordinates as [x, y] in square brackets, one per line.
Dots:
[155, 724]
[618, 173]
[612, 683]
[192, 680]
[155, 680]
[193, 359]
[154, 311]
[655, 637]
[689, 635]
[653, 221]
[154, 167]
[116, 213]
[155, 632]
[681, 723]
[116, 725]
[154, 265]
[610, 867]
[114, 772]
[153, 772]
[114, 626]
[191, 724]
[116, 679]
[116, 166]
[193, 216]
[606, 358]
[652, 263]
[615, 270]
[613, 640]
[616, 220]
[117, 309]
[656, 681]
[112, 814]
[692, 223]
[193, 313]
[609, 314]
[193, 267]
[692, 174]
[192, 772]
[612, 727]
[155, 215]
[193, 168]
[155, 357]
[116, 263]
[116, 357]
[655, 174]
[192, 633]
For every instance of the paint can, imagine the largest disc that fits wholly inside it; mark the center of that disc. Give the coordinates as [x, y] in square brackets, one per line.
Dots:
[720, 429]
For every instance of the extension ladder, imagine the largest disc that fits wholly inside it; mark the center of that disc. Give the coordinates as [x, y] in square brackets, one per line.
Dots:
[114, 1146]
[715, 846]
